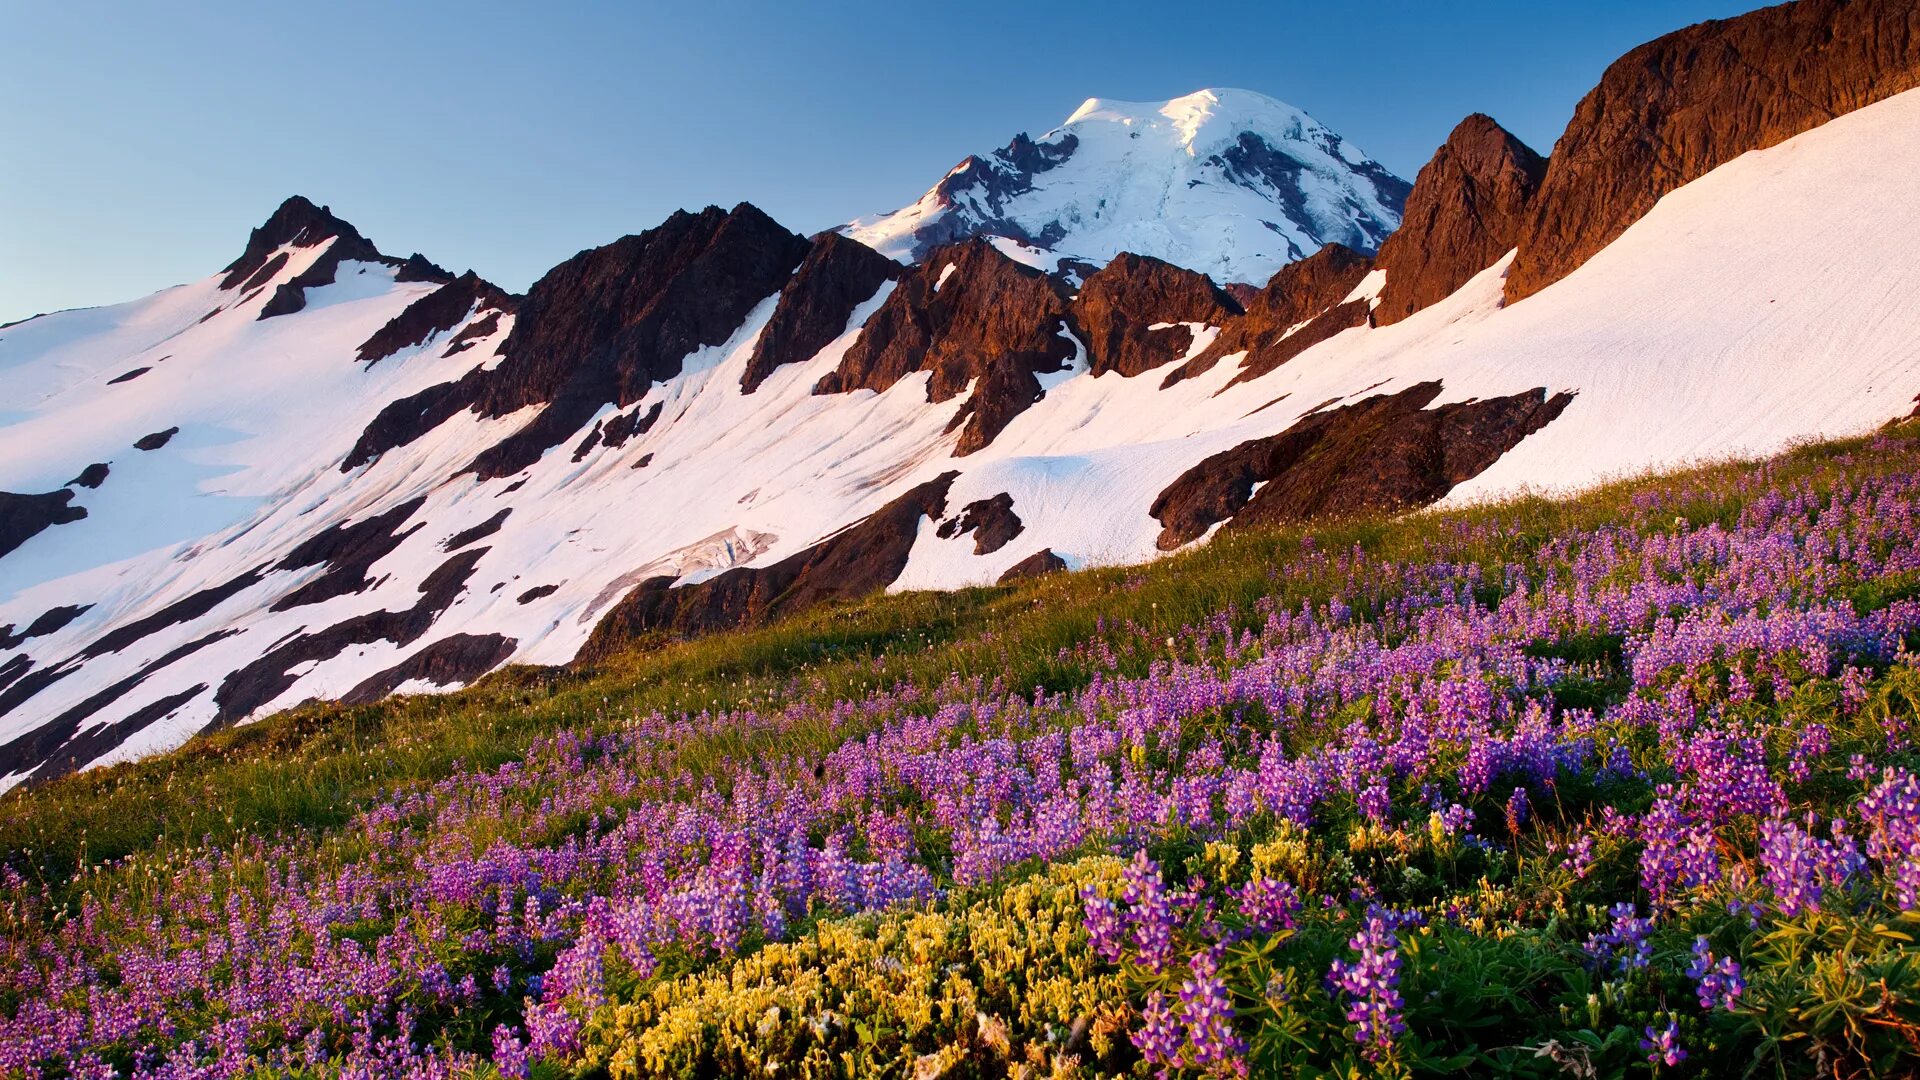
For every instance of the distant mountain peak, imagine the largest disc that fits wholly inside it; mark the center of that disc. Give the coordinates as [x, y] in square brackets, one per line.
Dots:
[1228, 182]
[297, 222]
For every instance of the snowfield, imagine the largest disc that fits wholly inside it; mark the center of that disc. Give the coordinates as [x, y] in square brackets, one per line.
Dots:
[1774, 300]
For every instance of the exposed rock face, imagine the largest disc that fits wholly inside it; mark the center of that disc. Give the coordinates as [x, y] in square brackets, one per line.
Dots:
[23, 517]
[435, 313]
[858, 560]
[607, 324]
[1039, 564]
[1118, 306]
[456, 659]
[128, 376]
[52, 749]
[1300, 292]
[297, 223]
[156, 440]
[1468, 207]
[1681, 105]
[977, 193]
[266, 678]
[968, 313]
[478, 532]
[837, 276]
[601, 328]
[991, 521]
[1385, 454]
[45, 623]
[92, 476]
[348, 551]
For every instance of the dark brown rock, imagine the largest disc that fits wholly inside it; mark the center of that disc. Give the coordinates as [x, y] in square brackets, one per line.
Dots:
[183, 610]
[347, 550]
[991, 521]
[1039, 564]
[992, 324]
[23, 517]
[156, 440]
[1300, 292]
[128, 376]
[254, 685]
[451, 661]
[536, 593]
[1332, 321]
[858, 560]
[92, 476]
[403, 420]
[607, 324]
[418, 267]
[51, 749]
[47, 622]
[474, 331]
[1679, 106]
[435, 313]
[1117, 306]
[837, 276]
[1385, 454]
[297, 223]
[478, 532]
[1468, 207]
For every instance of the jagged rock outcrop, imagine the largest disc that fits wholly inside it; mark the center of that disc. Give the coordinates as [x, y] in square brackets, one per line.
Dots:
[250, 687]
[1300, 293]
[603, 327]
[837, 276]
[297, 222]
[347, 551]
[971, 317]
[1679, 106]
[23, 517]
[47, 622]
[155, 440]
[1468, 207]
[92, 476]
[451, 661]
[991, 521]
[1119, 306]
[1385, 454]
[435, 313]
[860, 559]
[1039, 564]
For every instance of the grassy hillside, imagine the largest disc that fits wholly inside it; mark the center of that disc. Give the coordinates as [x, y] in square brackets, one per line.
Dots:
[1604, 786]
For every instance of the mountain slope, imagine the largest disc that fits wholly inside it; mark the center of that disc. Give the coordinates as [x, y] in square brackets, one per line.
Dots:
[1227, 182]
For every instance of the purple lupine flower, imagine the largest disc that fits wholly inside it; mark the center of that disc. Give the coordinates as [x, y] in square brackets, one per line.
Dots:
[1161, 1034]
[1663, 1044]
[1149, 913]
[1106, 927]
[1719, 981]
[1208, 1011]
[1371, 987]
[1626, 943]
[1269, 905]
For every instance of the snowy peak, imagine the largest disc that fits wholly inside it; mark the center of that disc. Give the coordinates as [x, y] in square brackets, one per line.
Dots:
[1230, 183]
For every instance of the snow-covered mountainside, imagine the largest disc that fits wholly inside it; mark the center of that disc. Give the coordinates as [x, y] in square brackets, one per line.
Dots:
[325, 472]
[1230, 183]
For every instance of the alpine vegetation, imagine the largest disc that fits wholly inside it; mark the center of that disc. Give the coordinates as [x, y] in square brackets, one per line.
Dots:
[1589, 788]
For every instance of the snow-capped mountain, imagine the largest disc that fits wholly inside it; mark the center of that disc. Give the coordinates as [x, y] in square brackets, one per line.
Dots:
[323, 472]
[1230, 183]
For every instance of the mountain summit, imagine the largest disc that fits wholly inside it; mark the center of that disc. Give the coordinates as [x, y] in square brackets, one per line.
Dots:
[1231, 183]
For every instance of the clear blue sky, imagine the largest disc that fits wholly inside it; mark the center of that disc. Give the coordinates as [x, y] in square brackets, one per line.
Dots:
[142, 142]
